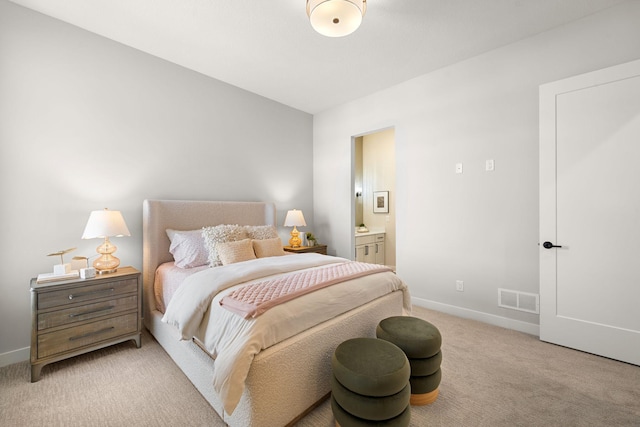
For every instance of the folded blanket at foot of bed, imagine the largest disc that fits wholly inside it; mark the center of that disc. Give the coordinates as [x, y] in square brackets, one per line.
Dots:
[253, 300]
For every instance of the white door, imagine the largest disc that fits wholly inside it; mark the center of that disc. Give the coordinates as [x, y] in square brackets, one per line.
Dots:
[590, 206]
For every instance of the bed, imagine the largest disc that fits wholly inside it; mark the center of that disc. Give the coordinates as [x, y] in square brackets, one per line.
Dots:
[284, 380]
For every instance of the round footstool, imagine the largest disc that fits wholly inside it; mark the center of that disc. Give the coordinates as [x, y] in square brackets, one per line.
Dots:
[420, 341]
[345, 419]
[370, 383]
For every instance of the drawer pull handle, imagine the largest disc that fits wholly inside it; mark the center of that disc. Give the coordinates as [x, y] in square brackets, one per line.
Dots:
[84, 294]
[101, 331]
[97, 310]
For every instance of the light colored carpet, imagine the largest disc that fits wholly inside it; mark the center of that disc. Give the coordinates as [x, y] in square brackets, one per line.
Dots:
[491, 377]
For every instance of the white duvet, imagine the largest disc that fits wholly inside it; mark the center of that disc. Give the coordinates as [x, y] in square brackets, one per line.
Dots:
[233, 341]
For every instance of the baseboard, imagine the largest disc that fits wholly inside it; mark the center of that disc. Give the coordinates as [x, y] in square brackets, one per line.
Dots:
[15, 356]
[492, 319]
[23, 354]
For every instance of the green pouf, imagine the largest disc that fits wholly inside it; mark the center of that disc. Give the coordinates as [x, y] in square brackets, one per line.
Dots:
[427, 384]
[371, 367]
[370, 408]
[418, 338]
[420, 341]
[345, 419]
[427, 366]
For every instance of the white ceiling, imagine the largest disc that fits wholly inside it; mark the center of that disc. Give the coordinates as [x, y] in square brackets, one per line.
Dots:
[268, 46]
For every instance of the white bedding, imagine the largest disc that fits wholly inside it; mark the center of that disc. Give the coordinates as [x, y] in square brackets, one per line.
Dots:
[233, 341]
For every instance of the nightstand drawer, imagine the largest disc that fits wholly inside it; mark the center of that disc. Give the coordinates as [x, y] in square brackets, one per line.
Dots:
[86, 312]
[86, 293]
[50, 344]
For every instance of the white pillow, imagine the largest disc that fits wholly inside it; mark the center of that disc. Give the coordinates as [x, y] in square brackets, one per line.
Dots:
[268, 247]
[188, 248]
[221, 234]
[260, 232]
[232, 252]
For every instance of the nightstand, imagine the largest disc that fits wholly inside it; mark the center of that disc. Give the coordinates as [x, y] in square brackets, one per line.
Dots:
[319, 249]
[72, 317]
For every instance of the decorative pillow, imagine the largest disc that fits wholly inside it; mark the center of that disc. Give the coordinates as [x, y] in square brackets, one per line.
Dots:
[221, 234]
[261, 232]
[188, 248]
[237, 251]
[268, 247]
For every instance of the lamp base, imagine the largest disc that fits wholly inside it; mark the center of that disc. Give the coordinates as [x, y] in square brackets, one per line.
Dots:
[106, 263]
[99, 272]
[295, 241]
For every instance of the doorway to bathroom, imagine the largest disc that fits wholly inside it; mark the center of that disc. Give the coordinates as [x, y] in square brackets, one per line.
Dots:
[374, 184]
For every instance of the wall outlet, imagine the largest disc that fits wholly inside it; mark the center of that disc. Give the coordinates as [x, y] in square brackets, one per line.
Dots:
[458, 167]
[459, 286]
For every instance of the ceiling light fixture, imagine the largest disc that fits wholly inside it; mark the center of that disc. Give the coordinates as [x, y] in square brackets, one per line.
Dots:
[336, 18]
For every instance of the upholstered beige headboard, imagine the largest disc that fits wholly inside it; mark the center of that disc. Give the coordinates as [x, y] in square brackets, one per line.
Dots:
[158, 215]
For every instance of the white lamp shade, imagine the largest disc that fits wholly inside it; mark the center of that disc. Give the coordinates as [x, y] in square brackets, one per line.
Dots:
[336, 18]
[294, 218]
[105, 223]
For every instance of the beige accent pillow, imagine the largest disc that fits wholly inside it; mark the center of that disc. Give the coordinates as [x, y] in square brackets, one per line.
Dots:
[221, 234]
[268, 247]
[232, 252]
[260, 232]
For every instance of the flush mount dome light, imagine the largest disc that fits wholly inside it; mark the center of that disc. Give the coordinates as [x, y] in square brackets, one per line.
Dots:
[336, 18]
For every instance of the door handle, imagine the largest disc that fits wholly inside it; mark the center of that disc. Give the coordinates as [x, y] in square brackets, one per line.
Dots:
[549, 245]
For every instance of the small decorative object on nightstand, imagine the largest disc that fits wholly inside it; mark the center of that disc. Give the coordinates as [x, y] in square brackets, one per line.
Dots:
[62, 268]
[319, 249]
[72, 317]
[311, 239]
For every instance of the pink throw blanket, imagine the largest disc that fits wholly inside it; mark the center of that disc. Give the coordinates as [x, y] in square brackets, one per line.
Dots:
[253, 300]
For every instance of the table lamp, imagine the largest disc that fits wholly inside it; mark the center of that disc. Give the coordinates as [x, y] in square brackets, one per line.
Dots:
[294, 218]
[105, 224]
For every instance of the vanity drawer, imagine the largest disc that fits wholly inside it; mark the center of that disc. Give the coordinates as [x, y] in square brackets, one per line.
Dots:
[86, 312]
[61, 341]
[86, 293]
[370, 238]
[363, 240]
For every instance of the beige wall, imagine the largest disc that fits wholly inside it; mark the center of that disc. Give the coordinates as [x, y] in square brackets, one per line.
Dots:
[87, 123]
[480, 227]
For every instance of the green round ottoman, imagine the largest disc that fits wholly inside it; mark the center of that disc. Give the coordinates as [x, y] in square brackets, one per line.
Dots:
[370, 408]
[427, 366]
[370, 383]
[420, 341]
[345, 419]
[416, 337]
[424, 390]
[370, 367]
